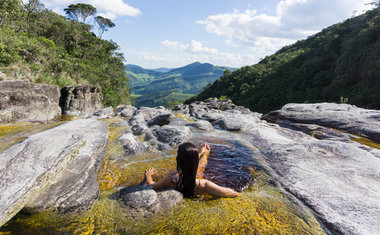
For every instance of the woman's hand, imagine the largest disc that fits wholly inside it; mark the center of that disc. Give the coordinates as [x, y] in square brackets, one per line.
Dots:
[149, 172]
[204, 149]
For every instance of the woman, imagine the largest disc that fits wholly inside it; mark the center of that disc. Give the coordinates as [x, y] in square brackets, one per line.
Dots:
[190, 163]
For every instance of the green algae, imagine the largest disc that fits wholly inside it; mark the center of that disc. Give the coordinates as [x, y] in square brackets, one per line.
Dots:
[13, 133]
[361, 140]
[365, 141]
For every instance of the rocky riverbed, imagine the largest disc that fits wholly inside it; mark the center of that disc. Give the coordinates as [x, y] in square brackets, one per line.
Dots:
[308, 168]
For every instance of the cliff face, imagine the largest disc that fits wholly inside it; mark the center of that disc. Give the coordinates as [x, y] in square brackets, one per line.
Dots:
[80, 101]
[23, 100]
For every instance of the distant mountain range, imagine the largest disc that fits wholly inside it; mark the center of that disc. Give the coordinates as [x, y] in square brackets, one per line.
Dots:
[165, 86]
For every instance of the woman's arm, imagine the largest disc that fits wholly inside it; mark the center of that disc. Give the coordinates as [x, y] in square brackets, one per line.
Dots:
[161, 184]
[206, 186]
[203, 155]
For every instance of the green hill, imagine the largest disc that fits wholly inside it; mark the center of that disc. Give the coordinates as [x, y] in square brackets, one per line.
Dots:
[44, 47]
[152, 87]
[341, 63]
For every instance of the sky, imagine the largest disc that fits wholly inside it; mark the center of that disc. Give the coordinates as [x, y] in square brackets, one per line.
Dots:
[233, 33]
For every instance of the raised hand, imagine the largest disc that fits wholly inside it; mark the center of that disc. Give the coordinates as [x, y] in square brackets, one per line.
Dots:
[149, 172]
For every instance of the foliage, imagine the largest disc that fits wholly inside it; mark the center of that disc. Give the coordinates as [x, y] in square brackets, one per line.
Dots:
[103, 24]
[187, 80]
[51, 49]
[341, 61]
[80, 11]
[163, 98]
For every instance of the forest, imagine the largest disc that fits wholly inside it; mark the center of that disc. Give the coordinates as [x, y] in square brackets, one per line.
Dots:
[340, 64]
[44, 47]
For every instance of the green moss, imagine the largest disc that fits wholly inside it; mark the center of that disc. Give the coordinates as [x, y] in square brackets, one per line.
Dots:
[13, 133]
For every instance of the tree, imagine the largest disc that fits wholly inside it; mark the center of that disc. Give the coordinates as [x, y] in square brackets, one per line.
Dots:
[80, 11]
[374, 3]
[103, 24]
[8, 10]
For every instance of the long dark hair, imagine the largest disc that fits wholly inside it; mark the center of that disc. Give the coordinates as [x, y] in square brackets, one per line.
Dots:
[187, 165]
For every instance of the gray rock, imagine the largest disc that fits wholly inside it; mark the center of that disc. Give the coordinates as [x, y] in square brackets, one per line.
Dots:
[161, 119]
[149, 135]
[127, 111]
[142, 201]
[172, 134]
[55, 169]
[202, 125]
[236, 122]
[181, 108]
[345, 117]
[130, 144]
[104, 113]
[80, 101]
[23, 100]
[138, 129]
[339, 181]
[212, 116]
[149, 113]
[179, 122]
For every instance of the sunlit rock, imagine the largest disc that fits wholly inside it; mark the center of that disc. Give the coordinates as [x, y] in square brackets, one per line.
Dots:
[363, 122]
[55, 169]
[144, 201]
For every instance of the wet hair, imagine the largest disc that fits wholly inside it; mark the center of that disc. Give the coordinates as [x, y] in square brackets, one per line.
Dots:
[187, 165]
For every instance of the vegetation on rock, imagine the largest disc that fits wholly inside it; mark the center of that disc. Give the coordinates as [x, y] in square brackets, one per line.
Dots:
[340, 63]
[44, 47]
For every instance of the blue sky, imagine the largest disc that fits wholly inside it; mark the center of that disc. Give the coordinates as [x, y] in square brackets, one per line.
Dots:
[173, 33]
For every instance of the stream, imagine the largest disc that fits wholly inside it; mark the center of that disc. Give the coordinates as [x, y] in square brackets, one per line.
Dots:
[263, 207]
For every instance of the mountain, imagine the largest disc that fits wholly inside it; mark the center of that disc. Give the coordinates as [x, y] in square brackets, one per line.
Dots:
[162, 70]
[153, 88]
[339, 64]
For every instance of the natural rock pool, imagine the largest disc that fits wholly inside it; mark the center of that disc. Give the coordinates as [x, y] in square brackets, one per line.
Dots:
[263, 206]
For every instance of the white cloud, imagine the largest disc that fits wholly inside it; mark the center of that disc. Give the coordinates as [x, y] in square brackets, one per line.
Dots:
[231, 43]
[110, 8]
[196, 51]
[293, 20]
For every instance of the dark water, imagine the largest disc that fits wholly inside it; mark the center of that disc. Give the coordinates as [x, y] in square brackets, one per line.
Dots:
[230, 165]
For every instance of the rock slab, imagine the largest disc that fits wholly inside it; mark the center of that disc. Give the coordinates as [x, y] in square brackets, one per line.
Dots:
[55, 169]
[363, 122]
[339, 181]
[23, 100]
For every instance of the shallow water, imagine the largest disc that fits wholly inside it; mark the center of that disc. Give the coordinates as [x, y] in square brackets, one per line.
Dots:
[261, 207]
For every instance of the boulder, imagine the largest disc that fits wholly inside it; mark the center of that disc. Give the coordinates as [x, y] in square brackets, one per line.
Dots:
[23, 100]
[138, 129]
[161, 119]
[202, 125]
[172, 134]
[55, 169]
[130, 144]
[363, 122]
[104, 113]
[143, 201]
[80, 101]
[127, 111]
[234, 121]
[338, 180]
